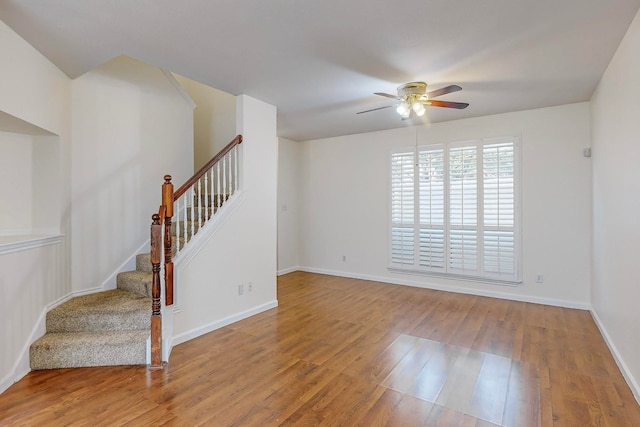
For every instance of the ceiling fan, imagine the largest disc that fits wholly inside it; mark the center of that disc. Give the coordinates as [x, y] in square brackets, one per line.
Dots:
[414, 97]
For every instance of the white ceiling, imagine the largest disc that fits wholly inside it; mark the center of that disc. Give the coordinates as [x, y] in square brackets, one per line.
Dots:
[320, 61]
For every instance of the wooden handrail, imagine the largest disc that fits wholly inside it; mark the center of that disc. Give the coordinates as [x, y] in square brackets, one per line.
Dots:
[160, 219]
[167, 201]
[156, 315]
[180, 191]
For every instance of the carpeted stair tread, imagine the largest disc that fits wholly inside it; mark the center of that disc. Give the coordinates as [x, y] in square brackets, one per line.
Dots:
[77, 349]
[196, 227]
[204, 213]
[115, 310]
[138, 282]
[143, 262]
[218, 199]
[113, 327]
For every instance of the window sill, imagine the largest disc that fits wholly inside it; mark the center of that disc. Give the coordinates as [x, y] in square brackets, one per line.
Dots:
[17, 243]
[447, 276]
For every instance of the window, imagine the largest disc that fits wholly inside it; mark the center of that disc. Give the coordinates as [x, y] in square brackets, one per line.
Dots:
[454, 210]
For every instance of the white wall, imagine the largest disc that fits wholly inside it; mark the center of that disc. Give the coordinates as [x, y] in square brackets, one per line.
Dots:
[28, 81]
[616, 204]
[243, 249]
[214, 119]
[15, 168]
[49, 174]
[130, 128]
[288, 211]
[31, 184]
[35, 92]
[344, 198]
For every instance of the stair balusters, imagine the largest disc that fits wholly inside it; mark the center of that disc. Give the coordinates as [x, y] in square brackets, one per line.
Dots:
[189, 201]
[199, 198]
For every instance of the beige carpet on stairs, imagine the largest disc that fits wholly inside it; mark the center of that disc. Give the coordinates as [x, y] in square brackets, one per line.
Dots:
[111, 327]
[101, 329]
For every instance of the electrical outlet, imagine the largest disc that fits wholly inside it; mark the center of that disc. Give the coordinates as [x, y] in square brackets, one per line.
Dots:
[250, 286]
[344, 258]
[241, 289]
[539, 278]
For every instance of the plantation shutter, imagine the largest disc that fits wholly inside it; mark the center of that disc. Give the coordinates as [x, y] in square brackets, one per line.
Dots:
[454, 210]
[402, 208]
[431, 208]
[463, 209]
[499, 209]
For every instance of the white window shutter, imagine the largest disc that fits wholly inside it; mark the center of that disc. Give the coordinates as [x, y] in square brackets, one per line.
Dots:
[431, 193]
[463, 210]
[454, 210]
[402, 208]
[499, 209]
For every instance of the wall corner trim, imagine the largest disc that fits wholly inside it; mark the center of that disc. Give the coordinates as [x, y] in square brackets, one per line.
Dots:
[626, 373]
[179, 88]
[288, 270]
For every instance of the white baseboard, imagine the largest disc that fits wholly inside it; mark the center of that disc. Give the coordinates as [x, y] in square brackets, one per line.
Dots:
[628, 376]
[22, 365]
[194, 333]
[456, 289]
[14, 376]
[288, 270]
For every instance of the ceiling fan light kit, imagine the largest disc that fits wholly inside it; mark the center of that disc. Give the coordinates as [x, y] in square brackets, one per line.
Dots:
[413, 97]
[404, 110]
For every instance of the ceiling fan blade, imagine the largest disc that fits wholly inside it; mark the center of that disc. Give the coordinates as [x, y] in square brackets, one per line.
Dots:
[447, 104]
[387, 95]
[443, 91]
[374, 109]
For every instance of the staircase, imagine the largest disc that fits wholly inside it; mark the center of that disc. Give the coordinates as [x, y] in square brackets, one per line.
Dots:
[101, 329]
[122, 326]
[112, 327]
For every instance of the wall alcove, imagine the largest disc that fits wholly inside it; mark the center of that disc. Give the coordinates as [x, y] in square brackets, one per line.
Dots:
[30, 182]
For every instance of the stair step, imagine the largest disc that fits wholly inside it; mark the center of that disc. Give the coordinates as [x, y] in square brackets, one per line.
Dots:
[218, 200]
[78, 349]
[113, 310]
[101, 329]
[143, 263]
[196, 227]
[137, 282]
[206, 209]
[205, 213]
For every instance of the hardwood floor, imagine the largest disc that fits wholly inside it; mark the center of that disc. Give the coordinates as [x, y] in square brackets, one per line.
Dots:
[348, 352]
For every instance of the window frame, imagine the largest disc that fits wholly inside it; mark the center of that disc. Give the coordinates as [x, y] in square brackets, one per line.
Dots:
[412, 263]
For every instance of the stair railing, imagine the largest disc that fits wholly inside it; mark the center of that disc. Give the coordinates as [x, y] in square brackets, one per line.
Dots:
[156, 305]
[196, 201]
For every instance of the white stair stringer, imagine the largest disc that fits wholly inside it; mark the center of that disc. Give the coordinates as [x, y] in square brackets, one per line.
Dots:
[191, 250]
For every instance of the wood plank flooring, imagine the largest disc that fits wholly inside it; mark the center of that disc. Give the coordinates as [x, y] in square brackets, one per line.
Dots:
[346, 352]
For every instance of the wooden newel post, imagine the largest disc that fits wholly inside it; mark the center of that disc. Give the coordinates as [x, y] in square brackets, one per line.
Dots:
[156, 316]
[167, 201]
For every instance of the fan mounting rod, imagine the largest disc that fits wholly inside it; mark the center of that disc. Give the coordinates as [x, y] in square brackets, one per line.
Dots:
[413, 88]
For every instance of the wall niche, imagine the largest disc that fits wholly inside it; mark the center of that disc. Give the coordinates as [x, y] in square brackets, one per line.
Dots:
[30, 182]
